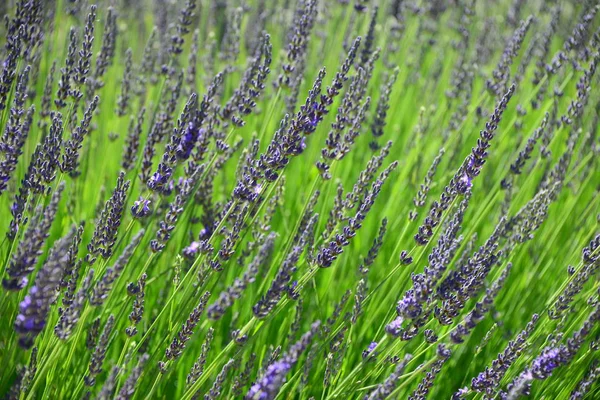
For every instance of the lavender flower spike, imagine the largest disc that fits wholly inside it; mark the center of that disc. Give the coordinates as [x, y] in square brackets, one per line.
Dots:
[267, 387]
[187, 330]
[586, 383]
[488, 380]
[25, 258]
[70, 315]
[70, 160]
[85, 54]
[99, 354]
[128, 389]
[280, 283]
[383, 390]
[34, 309]
[14, 142]
[226, 299]
[103, 287]
[105, 234]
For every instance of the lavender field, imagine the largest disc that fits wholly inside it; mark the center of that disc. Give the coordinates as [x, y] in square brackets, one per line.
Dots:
[299, 199]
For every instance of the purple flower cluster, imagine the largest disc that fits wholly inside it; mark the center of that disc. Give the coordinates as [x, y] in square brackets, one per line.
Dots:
[177, 346]
[29, 249]
[227, 297]
[385, 389]
[105, 284]
[462, 181]
[108, 223]
[269, 384]
[85, 111]
[489, 380]
[329, 252]
[34, 309]
[281, 282]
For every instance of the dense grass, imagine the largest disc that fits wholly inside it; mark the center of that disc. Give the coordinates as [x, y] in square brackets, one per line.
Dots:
[516, 240]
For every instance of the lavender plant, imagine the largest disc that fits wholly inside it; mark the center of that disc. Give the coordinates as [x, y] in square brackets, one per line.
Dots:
[188, 187]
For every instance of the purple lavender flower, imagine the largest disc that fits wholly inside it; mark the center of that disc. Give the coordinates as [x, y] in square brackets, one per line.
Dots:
[575, 40]
[575, 286]
[297, 44]
[177, 346]
[67, 72]
[226, 299]
[34, 309]
[141, 208]
[586, 383]
[25, 258]
[70, 159]
[45, 159]
[85, 54]
[124, 98]
[176, 207]
[329, 252]
[99, 354]
[217, 386]
[198, 367]
[104, 59]
[139, 291]
[132, 143]
[13, 142]
[129, 386]
[197, 247]
[367, 49]
[462, 181]
[107, 391]
[107, 226]
[185, 126]
[267, 387]
[379, 120]
[70, 315]
[104, 285]
[501, 74]
[369, 352]
[422, 390]
[488, 380]
[243, 100]
[244, 376]
[279, 285]
[385, 389]
[552, 357]
[9, 71]
[182, 28]
[421, 196]
[188, 141]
